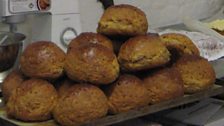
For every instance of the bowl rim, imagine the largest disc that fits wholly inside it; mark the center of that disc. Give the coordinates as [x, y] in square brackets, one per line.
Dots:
[17, 37]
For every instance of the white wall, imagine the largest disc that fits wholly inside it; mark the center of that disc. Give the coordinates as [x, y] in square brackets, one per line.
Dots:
[159, 12]
[91, 11]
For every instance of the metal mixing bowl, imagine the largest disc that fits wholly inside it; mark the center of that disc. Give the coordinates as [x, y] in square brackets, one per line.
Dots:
[11, 45]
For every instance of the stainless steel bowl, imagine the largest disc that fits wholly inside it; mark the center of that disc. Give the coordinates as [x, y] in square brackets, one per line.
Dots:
[11, 45]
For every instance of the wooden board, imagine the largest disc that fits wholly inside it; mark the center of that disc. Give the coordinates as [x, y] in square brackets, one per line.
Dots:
[113, 119]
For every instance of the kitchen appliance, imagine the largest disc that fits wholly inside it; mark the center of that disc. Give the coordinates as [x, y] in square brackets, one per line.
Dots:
[62, 20]
[11, 45]
[53, 20]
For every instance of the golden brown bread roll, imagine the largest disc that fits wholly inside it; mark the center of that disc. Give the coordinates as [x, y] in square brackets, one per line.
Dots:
[163, 85]
[42, 60]
[89, 37]
[178, 43]
[33, 100]
[92, 63]
[127, 93]
[196, 72]
[143, 52]
[82, 103]
[125, 20]
[11, 82]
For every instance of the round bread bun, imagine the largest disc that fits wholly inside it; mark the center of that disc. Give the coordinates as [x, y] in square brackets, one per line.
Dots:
[196, 72]
[33, 100]
[82, 103]
[89, 37]
[143, 52]
[125, 20]
[42, 60]
[11, 82]
[92, 63]
[127, 93]
[165, 84]
[179, 44]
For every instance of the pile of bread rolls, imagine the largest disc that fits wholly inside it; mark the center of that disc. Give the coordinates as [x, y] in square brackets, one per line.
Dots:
[92, 79]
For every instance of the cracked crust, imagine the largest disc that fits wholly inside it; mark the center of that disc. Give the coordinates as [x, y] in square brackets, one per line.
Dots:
[123, 20]
[143, 52]
[163, 85]
[197, 73]
[127, 93]
[11, 82]
[181, 43]
[92, 63]
[33, 100]
[43, 60]
[82, 103]
[89, 37]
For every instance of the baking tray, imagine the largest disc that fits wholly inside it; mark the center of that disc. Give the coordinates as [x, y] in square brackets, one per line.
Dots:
[113, 119]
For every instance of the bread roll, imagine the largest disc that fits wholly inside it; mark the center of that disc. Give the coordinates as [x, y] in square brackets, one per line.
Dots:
[126, 94]
[125, 20]
[196, 72]
[165, 84]
[143, 52]
[33, 100]
[42, 60]
[11, 82]
[180, 44]
[89, 37]
[92, 63]
[82, 103]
